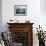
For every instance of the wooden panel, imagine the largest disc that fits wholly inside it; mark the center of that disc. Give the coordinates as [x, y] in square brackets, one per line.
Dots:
[22, 27]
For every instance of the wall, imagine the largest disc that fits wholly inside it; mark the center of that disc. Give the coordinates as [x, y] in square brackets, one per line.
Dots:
[43, 14]
[43, 6]
[0, 15]
[34, 14]
[33, 10]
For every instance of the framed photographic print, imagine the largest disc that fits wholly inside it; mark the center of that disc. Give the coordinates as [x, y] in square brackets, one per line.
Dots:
[20, 10]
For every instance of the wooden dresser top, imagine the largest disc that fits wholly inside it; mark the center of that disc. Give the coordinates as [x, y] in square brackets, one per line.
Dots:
[19, 23]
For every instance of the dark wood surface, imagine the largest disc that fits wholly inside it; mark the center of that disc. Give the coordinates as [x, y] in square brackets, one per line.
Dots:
[22, 27]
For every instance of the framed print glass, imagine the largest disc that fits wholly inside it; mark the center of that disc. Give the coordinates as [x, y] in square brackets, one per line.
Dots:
[20, 10]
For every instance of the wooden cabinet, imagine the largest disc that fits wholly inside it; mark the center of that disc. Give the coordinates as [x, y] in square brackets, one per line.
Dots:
[22, 33]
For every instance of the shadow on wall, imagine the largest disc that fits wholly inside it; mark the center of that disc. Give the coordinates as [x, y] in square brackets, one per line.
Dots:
[0, 15]
[43, 6]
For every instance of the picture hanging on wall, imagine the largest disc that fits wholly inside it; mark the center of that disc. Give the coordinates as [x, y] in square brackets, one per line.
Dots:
[20, 10]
